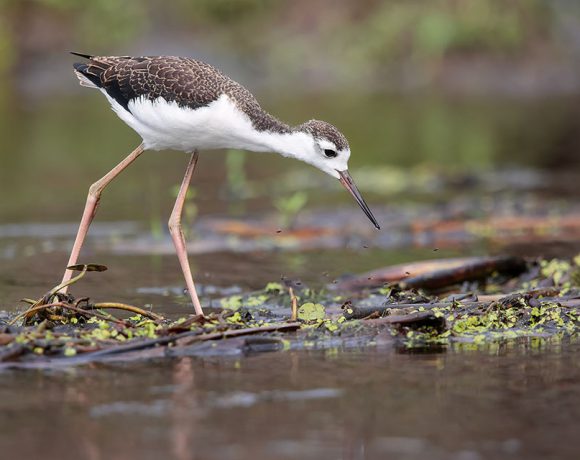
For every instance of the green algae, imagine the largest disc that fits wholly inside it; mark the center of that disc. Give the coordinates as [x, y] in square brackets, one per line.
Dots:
[531, 308]
[311, 312]
[273, 288]
[232, 302]
[501, 322]
[272, 293]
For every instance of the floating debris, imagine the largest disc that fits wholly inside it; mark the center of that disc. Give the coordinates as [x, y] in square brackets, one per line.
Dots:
[505, 301]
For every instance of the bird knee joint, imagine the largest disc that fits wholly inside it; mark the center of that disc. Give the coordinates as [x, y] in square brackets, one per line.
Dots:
[174, 225]
[95, 191]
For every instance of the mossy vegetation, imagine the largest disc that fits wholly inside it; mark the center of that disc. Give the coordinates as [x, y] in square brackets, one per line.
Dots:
[542, 302]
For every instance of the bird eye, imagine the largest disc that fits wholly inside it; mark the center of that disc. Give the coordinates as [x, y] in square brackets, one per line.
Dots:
[329, 153]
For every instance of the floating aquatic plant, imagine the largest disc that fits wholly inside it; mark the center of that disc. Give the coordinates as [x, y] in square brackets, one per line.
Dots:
[545, 302]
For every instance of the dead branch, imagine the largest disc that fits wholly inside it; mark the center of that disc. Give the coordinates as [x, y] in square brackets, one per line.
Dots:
[354, 312]
[476, 270]
[435, 274]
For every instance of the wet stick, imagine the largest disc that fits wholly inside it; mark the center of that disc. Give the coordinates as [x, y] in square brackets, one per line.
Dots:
[84, 268]
[436, 274]
[354, 312]
[125, 307]
[239, 332]
[294, 301]
[181, 340]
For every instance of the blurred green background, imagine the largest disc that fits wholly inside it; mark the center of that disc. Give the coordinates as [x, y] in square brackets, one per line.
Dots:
[436, 85]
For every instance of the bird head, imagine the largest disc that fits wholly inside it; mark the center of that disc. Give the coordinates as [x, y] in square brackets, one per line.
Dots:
[330, 152]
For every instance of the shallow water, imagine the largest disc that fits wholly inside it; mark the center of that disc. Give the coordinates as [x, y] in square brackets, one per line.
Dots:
[515, 401]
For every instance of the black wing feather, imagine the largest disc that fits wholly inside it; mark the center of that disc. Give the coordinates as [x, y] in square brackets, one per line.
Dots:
[86, 56]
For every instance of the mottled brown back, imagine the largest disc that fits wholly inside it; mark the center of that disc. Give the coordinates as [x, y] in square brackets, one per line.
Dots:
[188, 82]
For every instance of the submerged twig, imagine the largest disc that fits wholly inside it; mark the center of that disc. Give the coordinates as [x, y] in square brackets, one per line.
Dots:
[184, 339]
[238, 332]
[413, 320]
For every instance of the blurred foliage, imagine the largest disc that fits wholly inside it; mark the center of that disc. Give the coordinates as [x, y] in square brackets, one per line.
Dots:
[374, 33]
[308, 42]
[36, 26]
[78, 139]
[289, 207]
[395, 29]
[236, 179]
[224, 11]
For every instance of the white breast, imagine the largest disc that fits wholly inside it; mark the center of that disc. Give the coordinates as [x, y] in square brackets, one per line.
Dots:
[166, 125]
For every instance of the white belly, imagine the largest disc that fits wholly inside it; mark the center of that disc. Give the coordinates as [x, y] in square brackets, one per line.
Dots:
[165, 125]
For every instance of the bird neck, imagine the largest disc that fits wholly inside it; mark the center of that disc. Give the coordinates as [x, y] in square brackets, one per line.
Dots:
[254, 129]
[292, 144]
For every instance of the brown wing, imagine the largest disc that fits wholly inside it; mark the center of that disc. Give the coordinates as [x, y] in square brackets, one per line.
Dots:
[188, 82]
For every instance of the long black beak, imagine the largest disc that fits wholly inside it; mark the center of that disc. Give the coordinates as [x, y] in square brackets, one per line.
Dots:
[348, 183]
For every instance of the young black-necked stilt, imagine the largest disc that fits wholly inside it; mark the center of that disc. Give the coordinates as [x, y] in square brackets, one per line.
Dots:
[183, 104]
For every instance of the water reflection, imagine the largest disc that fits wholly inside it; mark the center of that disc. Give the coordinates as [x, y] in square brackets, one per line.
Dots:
[359, 404]
[185, 413]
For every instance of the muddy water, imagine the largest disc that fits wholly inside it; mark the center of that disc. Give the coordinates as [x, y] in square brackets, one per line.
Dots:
[502, 402]
[511, 401]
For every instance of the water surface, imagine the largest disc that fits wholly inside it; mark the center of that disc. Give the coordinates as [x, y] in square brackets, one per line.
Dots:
[514, 400]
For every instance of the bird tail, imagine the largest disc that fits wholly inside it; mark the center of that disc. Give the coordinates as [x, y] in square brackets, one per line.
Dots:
[90, 73]
[86, 78]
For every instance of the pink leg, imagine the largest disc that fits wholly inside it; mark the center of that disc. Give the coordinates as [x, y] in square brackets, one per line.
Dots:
[177, 233]
[91, 208]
